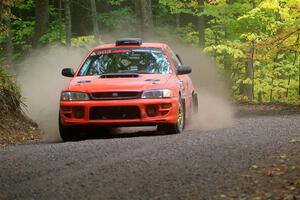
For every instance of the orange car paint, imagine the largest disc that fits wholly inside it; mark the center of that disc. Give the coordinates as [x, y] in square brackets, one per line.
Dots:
[167, 108]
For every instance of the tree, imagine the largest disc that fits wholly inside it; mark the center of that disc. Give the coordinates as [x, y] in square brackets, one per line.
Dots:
[5, 14]
[94, 20]
[249, 72]
[201, 24]
[5, 27]
[143, 10]
[68, 22]
[256, 43]
[41, 21]
[1, 15]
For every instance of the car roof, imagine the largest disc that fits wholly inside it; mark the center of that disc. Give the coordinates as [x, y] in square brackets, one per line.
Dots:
[143, 45]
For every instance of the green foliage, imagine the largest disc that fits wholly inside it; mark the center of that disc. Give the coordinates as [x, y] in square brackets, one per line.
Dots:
[188, 34]
[270, 27]
[54, 34]
[83, 41]
[177, 6]
[116, 2]
[8, 83]
[118, 19]
[24, 4]
[22, 32]
[225, 49]
[5, 15]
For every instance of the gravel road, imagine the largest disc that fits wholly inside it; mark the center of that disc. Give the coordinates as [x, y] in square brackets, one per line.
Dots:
[192, 165]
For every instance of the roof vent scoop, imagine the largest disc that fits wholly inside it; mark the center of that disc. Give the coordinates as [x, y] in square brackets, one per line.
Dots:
[129, 41]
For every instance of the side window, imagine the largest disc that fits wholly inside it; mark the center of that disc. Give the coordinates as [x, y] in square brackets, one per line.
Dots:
[174, 58]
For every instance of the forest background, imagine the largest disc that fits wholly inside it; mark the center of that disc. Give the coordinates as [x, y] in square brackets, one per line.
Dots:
[254, 42]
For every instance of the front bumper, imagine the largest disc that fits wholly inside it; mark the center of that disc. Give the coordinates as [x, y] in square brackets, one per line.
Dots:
[167, 112]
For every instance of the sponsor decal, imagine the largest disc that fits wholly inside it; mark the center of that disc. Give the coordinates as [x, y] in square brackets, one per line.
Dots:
[110, 51]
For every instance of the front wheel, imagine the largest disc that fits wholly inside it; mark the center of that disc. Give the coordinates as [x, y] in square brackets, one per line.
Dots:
[68, 133]
[177, 127]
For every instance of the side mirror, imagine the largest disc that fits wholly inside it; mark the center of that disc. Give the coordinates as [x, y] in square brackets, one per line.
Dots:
[184, 69]
[68, 72]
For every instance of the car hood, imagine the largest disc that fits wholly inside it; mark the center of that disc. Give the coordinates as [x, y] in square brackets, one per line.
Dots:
[95, 83]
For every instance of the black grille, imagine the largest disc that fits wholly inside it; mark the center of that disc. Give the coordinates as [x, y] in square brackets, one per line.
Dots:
[115, 112]
[115, 95]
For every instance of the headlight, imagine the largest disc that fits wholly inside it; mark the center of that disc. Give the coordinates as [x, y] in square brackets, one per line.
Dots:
[74, 96]
[156, 94]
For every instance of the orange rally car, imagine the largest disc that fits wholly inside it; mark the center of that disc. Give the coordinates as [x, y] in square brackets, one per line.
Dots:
[129, 83]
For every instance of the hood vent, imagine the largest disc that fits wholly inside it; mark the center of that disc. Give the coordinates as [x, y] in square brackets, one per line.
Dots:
[120, 75]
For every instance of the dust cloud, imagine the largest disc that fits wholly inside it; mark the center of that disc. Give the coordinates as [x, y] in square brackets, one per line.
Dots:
[215, 108]
[39, 75]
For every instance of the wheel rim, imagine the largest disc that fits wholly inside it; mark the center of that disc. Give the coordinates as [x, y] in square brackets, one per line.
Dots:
[180, 116]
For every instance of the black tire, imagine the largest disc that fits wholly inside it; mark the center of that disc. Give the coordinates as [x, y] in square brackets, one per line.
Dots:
[195, 106]
[179, 126]
[193, 110]
[68, 133]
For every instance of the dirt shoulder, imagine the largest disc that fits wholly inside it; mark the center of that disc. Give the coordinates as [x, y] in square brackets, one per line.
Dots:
[15, 126]
[17, 129]
[266, 109]
[275, 178]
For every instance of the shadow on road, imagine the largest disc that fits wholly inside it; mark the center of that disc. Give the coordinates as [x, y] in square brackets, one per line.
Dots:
[109, 133]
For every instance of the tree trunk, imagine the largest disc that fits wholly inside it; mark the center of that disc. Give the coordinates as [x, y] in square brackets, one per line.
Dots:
[68, 22]
[287, 89]
[8, 43]
[1, 13]
[260, 97]
[5, 25]
[227, 70]
[60, 20]
[201, 25]
[299, 85]
[289, 80]
[41, 21]
[253, 3]
[249, 72]
[146, 8]
[143, 10]
[271, 92]
[94, 19]
[137, 6]
[177, 20]
[227, 61]
[249, 66]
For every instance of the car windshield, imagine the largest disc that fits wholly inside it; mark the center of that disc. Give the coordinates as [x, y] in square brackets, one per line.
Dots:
[127, 60]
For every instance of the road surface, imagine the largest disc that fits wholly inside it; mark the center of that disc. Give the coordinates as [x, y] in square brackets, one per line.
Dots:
[192, 165]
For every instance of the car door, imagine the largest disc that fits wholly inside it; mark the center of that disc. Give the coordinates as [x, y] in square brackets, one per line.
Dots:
[185, 82]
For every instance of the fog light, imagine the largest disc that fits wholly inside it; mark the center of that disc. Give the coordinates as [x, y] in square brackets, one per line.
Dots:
[166, 105]
[78, 112]
[68, 115]
[151, 110]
